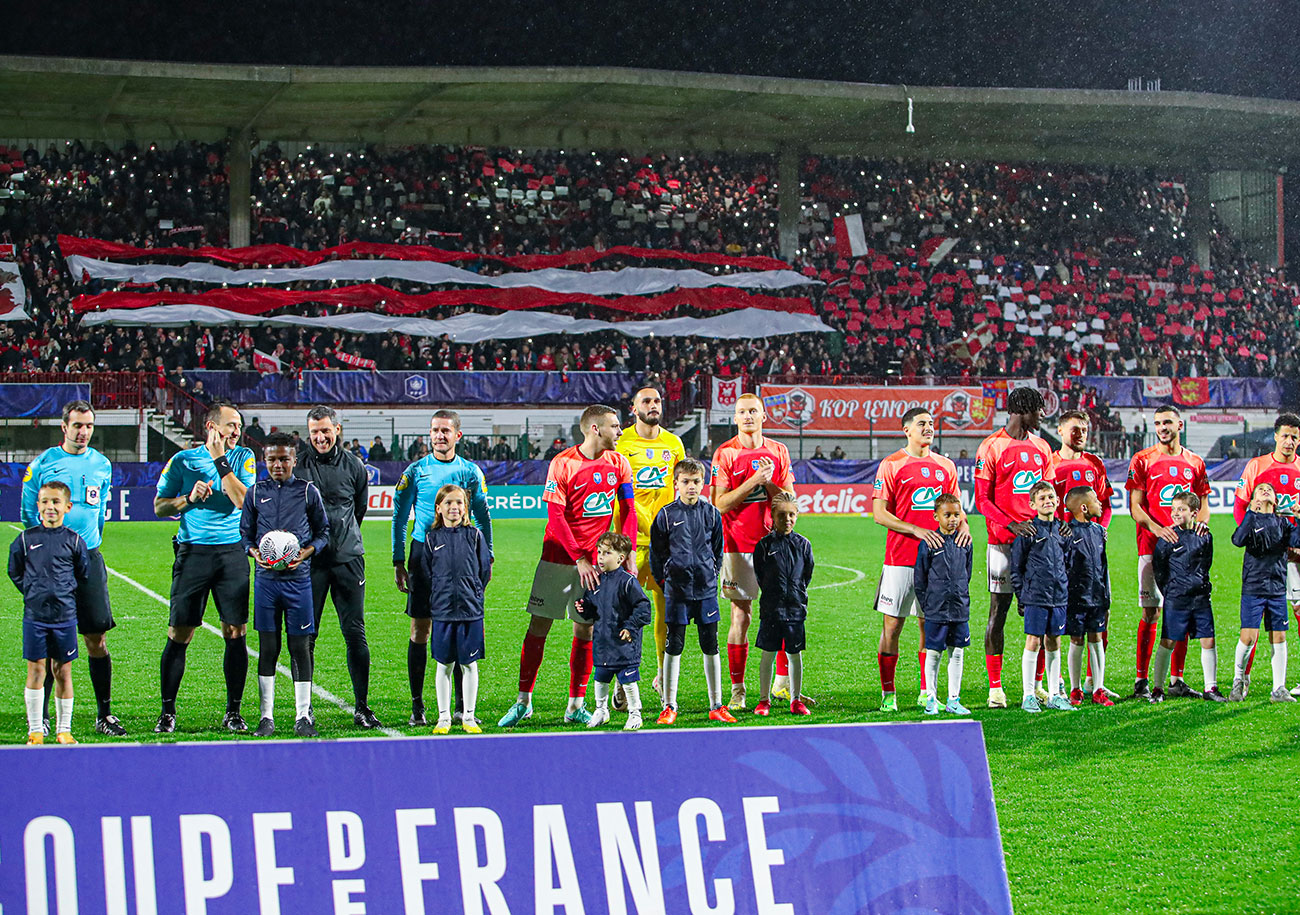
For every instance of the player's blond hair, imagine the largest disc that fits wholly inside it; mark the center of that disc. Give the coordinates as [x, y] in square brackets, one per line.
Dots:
[443, 493]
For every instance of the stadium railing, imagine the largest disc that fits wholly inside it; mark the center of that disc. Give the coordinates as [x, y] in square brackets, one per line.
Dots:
[108, 390]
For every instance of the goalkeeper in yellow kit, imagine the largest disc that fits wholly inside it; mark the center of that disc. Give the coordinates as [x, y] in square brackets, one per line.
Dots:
[653, 452]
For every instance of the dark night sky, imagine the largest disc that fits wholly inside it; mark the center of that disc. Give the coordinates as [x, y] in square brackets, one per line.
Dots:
[1240, 48]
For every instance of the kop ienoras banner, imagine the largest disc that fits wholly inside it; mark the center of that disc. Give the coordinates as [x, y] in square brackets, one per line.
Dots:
[874, 410]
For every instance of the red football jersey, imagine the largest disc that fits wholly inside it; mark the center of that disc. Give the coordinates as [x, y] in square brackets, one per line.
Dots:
[588, 491]
[1085, 470]
[1014, 466]
[909, 485]
[1160, 477]
[751, 520]
[1284, 478]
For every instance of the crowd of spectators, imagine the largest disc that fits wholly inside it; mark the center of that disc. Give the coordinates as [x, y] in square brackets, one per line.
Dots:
[1057, 271]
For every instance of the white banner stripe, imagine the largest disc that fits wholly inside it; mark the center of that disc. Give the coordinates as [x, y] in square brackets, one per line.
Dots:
[474, 328]
[628, 281]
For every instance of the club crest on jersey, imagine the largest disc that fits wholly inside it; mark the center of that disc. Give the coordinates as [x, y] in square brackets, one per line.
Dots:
[1090, 475]
[925, 472]
[92, 495]
[923, 497]
[1038, 459]
[651, 477]
[667, 455]
[1024, 481]
[938, 474]
[1187, 472]
[597, 504]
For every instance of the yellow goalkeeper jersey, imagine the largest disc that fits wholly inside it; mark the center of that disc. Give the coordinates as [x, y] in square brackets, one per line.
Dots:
[652, 463]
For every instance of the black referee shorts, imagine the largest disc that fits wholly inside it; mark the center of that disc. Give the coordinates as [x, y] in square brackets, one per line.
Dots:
[94, 612]
[345, 583]
[418, 597]
[202, 569]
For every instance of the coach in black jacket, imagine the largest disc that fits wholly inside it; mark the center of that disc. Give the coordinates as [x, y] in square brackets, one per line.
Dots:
[340, 570]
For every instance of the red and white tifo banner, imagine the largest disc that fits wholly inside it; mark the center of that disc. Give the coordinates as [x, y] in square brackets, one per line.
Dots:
[833, 498]
[873, 410]
[13, 294]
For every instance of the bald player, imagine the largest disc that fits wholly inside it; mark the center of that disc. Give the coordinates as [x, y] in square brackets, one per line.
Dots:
[748, 470]
[652, 451]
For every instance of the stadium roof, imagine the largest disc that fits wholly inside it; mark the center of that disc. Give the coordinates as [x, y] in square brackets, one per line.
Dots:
[609, 108]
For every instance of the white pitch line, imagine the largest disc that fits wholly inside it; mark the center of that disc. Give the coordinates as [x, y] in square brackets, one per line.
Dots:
[858, 575]
[316, 688]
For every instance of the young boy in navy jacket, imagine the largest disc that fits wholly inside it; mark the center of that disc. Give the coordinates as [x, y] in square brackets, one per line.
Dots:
[1038, 577]
[685, 559]
[1182, 571]
[458, 565]
[1088, 603]
[282, 597]
[620, 610]
[1266, 537]
[46, 564]
[783, 565]
[942, 585]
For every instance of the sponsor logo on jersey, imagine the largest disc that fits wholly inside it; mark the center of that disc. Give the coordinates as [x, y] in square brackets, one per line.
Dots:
[878, 484]
[250, 466]
[549, 487]
[597, 504]
[925, 472]
[923, 497]
[595, 478]
[1076, 475]
[651, 478]
[1024, 458]
[1024, 481]
[1167, 494]
[27, 475]
[979, 464]
[404, 482]
[1173, 471]
[1285, 479]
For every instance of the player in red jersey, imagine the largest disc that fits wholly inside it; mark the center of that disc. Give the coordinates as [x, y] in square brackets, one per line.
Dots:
[907, 483]
[1073, 466]
[747, 471]
[1008, 464]
[1281, 470]
[584, 485]
[1155, 476]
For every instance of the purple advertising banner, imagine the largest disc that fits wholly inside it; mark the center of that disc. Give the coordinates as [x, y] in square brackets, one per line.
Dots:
[829, 819]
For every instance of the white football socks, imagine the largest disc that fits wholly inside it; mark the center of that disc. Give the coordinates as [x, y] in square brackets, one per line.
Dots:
[932, 673]
[1097, 657]
[633, 693]
[34, 701]
[443, 687]
[1074, 660]
[301, 699]
[266, 697]
[1160, 667]
[601, 691]
[1279, 665]
[765, 663]
[63, 711]
[672, 673]
[712, 678]
[956, 662]
[1210, 667]
[1052, 673]
[796, 673]
[1239, 661]
[469, 687]
[1028, 668]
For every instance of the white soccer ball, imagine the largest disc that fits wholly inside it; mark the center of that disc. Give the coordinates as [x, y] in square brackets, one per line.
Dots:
[278, 548]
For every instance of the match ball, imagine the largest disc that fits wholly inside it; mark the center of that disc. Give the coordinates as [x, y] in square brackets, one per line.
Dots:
[278, 548]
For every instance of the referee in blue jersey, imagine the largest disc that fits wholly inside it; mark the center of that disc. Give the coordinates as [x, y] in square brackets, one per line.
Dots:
[417, 489]
[89, 476]
[206, 486]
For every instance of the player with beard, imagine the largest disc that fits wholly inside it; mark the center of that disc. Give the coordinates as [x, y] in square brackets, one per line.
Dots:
[1008, 464]
[652, 451]
[1155, 476]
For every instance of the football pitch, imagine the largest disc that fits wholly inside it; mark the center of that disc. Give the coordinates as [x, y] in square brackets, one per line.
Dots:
[1185, 807]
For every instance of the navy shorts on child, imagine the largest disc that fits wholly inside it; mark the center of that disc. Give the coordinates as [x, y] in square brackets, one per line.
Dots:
[1044, 620]
[282, 601]
[625, 675]
[678, 611]
[56, 641]
[1191, 620]
[456, 642]
[1256, 609]
[940, 636]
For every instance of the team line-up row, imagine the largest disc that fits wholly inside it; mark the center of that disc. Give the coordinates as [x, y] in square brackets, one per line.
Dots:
[1046, 514]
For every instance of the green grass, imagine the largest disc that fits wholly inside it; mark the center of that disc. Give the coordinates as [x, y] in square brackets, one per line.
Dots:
[1186, 807]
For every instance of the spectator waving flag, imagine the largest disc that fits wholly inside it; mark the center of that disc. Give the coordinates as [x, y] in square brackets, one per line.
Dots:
[266, 363]
[935, 249]
[13, 294]
[850, 240]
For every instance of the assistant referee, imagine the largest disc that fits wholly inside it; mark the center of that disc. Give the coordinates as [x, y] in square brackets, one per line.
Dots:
[340, 569]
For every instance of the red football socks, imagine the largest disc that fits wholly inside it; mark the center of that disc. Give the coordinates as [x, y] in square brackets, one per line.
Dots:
[782, 664]
[1250, 661]
[920, 659]
[1146, 643]
[579, 667]
[994, 664]
[888, 664]
[530, 661]
[1042, 666]
[737, 655]
[1179, 659]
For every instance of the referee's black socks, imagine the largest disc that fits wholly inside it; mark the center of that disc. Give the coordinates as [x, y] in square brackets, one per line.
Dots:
[235, 666]
[172, 669]
[101, 680]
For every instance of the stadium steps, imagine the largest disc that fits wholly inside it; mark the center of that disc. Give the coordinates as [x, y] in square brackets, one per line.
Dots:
[168, 428]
